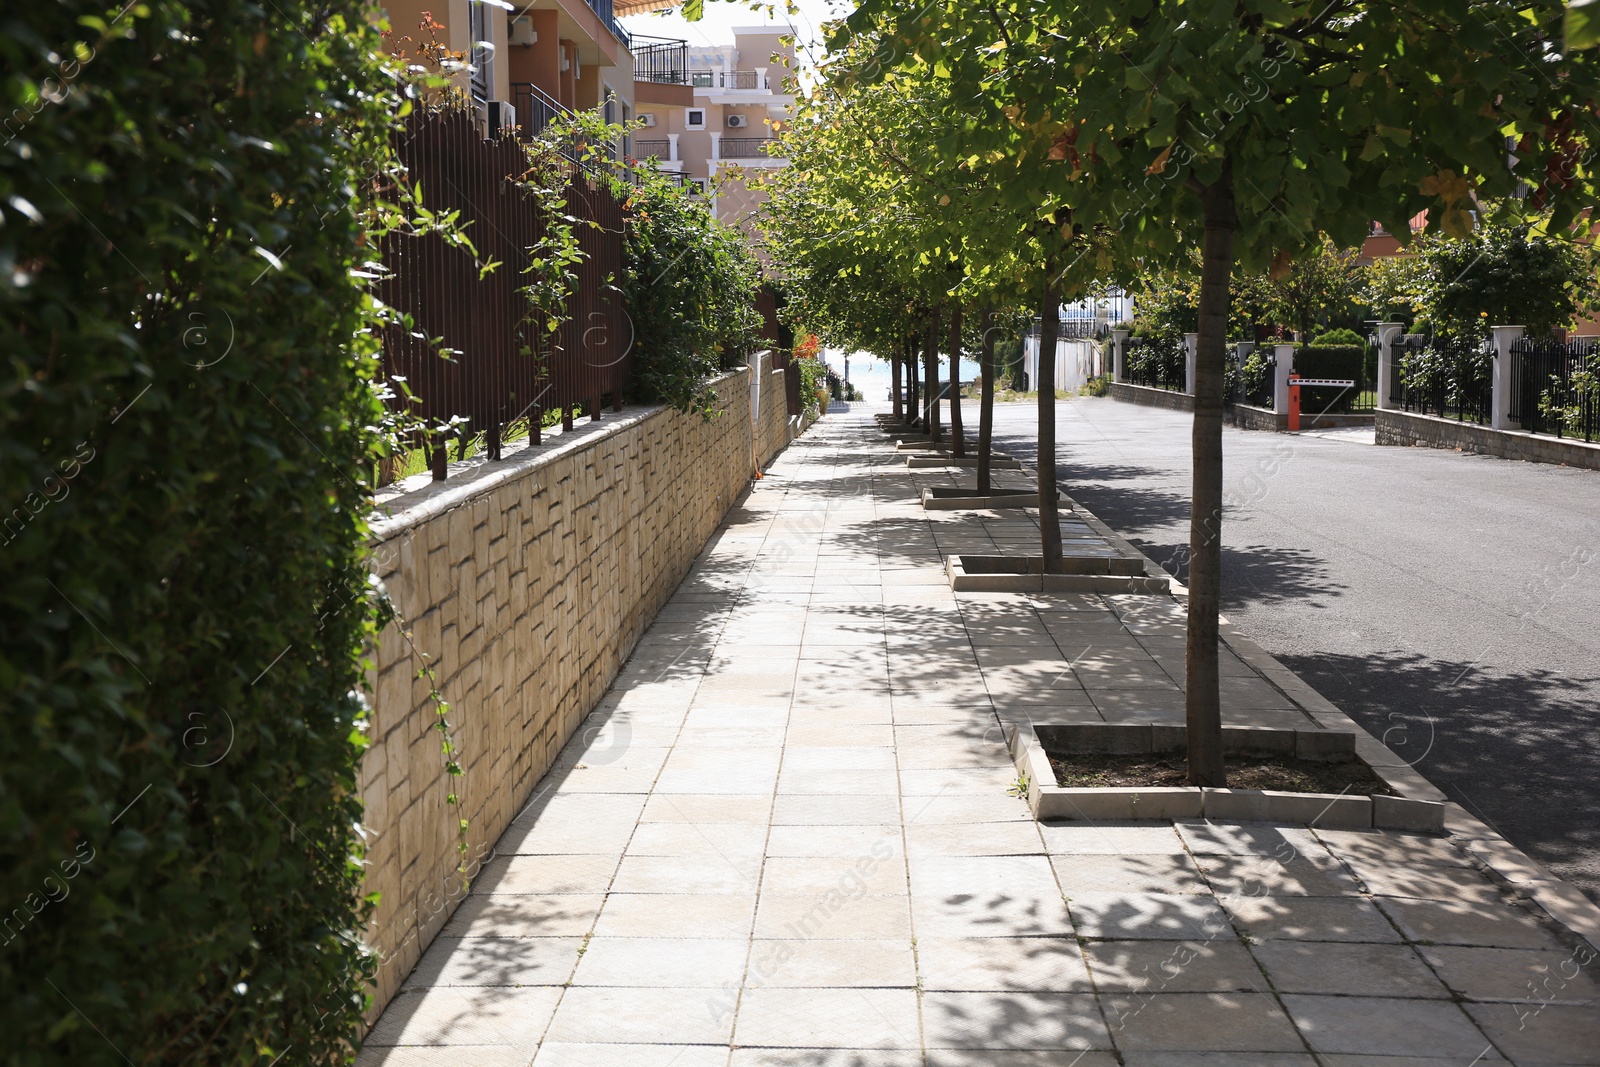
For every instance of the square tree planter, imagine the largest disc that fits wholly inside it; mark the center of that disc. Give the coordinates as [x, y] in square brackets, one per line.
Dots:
[1048, 800]
[915, 461]
[949, 498]
[1088, 567]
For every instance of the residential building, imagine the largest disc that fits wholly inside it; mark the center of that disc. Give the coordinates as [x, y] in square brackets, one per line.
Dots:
[713, 112]
[531, 61]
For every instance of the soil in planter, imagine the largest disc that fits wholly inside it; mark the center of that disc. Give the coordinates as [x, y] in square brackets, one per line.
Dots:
[1285, 775]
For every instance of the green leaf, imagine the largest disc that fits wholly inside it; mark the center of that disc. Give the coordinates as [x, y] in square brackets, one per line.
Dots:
[1583, 23]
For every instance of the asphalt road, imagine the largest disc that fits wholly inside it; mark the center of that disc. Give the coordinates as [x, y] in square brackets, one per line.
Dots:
[1449, 603]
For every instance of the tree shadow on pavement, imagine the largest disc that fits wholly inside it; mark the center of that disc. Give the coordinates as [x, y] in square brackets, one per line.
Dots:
[1521, 751]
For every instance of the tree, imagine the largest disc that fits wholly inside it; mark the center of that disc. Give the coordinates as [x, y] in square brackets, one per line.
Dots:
[1320, 287]
[1248, 128]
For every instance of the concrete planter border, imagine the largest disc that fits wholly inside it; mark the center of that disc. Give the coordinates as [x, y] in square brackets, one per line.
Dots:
[999, 463]
[945, 498]
[1324, 810]
[1023, 574]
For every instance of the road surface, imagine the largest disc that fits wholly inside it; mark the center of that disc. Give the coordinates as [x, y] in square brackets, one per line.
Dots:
[1449, 603]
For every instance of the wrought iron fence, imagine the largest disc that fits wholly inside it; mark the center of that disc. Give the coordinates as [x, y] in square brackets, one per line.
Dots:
[1555, 387]
[662, 60]
[504, 365]
[1157, 363]
[745, 147]
[659, 149]
[1445, 375]
[1249, 380]
[741, 79]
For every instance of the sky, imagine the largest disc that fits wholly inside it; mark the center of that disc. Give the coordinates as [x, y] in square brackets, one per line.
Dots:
[721, 16]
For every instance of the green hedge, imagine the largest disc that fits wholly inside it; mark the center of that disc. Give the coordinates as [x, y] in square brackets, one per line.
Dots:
[183, 590]
[690, 289]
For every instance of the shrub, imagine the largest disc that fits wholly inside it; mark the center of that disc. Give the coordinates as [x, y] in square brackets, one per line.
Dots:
[1340, 336]
[184, 595]
[690, 290]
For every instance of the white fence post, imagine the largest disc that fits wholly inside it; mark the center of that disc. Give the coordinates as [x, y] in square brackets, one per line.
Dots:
[1280, 378]
[1388, 332]
[1119, 352]
[1191, 350]
[1500, 398]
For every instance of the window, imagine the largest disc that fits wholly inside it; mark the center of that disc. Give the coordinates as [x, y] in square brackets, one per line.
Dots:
[695, 119]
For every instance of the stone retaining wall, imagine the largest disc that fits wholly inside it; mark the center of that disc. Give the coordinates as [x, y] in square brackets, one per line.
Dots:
[524, 584]
[1252, 418]
[1153, 398]
[1407, 428]
[775, 430]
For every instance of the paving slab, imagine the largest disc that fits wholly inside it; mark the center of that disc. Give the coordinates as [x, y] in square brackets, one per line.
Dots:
[789, 835]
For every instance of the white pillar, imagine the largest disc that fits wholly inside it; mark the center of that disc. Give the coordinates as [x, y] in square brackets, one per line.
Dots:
[1191, 356]
[1388, 333]
[1119, 352]
[1280, 378]
[716, 147]
[1500, 401]
[672, 147]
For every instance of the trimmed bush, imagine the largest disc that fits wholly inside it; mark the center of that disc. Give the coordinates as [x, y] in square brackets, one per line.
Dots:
[188, 423]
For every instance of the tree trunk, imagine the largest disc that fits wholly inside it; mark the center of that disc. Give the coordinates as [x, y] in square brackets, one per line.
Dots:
[958, 444]
[894, 386]
[1049, 514]
[914, 391]
[930, 359]
[986, 403]
[1203, 705]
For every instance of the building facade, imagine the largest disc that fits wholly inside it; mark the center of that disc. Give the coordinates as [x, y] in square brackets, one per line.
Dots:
[714, 113]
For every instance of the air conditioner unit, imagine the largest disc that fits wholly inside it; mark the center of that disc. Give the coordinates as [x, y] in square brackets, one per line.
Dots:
[522, 32]
[648, 120]
[737, 122]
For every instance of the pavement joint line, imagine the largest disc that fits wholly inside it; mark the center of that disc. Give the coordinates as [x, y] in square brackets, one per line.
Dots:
[827, 456]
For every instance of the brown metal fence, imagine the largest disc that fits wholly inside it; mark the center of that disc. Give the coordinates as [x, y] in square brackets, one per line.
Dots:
[503, 365]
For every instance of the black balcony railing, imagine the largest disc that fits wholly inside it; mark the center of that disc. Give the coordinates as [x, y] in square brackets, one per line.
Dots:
[646, 149]
[536, 108]
[746, 147]
[717, 79]
[603, 8]
[661, 60]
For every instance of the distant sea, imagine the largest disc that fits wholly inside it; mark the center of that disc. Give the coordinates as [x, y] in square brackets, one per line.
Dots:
[872, 376]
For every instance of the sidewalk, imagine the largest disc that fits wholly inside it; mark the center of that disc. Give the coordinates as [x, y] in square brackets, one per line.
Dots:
[785, 837]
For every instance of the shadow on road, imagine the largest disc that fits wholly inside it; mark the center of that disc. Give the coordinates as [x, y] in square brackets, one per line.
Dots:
[1522, 746]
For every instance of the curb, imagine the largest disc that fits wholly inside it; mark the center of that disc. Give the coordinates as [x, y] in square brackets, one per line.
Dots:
[1563, 904]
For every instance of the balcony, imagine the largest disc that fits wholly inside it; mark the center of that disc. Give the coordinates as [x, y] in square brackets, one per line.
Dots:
[733, 80]
[660, 60]
[663, 150]
[603, 8]
[744, 148]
